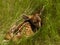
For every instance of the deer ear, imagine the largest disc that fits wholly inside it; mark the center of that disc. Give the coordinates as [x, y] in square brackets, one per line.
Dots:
[25, 17]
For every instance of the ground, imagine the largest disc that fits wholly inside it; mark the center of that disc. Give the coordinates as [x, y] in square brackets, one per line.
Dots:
[48, 34]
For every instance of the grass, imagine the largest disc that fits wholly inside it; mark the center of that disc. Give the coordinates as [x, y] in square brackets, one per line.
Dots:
[48, 34]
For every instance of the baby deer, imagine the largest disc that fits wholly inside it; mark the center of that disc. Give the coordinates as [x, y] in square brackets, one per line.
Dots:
[34, 22]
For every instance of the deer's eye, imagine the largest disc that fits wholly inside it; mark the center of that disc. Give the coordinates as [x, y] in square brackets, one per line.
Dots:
[35, 22]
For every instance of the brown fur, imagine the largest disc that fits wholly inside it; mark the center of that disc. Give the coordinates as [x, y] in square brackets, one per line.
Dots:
[34, 22]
